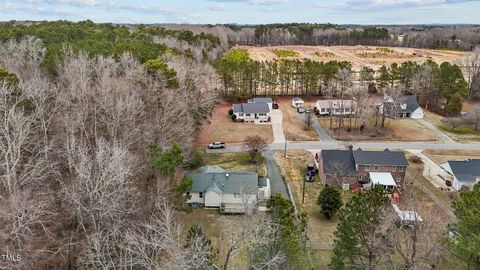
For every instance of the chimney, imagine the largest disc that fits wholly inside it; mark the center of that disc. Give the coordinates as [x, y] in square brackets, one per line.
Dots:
[350, 147]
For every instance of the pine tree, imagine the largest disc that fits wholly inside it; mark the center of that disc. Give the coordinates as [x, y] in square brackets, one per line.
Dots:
[330, 201]
[455, 105]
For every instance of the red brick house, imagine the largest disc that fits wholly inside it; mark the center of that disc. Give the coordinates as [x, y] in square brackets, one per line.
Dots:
[346, 167]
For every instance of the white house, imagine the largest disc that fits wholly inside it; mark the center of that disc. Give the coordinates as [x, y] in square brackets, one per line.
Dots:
[465, 173]
[231, 192]
[255, 110]
[297, 102]
[336, 107]
[407, 108]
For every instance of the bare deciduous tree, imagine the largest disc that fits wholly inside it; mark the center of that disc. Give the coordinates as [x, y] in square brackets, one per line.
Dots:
[255, 146]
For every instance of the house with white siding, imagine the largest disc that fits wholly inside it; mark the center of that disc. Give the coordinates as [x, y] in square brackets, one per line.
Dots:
[408, 107]
[255, 110]
[336, 107]
[230, 192]
[465, 173]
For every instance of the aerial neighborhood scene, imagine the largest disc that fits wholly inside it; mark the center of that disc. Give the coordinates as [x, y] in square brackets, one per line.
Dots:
[239, 134]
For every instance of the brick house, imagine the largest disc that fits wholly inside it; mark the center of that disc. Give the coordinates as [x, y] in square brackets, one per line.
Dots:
[342, 167]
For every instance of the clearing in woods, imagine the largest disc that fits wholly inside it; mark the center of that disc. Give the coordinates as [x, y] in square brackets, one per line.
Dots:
[360, 56]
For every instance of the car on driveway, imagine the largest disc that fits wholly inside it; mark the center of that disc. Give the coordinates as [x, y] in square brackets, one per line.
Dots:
[275, 105]
[216, 145]
[301, 109]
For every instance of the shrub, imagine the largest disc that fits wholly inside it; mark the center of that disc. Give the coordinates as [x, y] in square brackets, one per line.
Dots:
[197, 158]
[285, 53]
[416, 160]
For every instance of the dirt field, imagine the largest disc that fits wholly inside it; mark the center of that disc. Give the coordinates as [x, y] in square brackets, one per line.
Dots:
[397, 130]
[359, 55]
[293, 128]
[222, 128]
[441, 156]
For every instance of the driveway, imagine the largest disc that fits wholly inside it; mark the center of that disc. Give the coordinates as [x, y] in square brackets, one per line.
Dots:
[435, 130]
[277, 184]
[276, 117]
[431, 170]
[316, 126]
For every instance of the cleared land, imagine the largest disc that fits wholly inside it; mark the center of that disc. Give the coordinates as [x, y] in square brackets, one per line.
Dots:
[222, 128]
[441, 156]
[294, 128]
[396, 130]
[370, 56]
[463, 133]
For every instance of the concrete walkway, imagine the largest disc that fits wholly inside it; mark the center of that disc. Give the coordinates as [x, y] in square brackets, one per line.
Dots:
[431, 170]
[435, 131]
[277, 184]
[276, 117]
[316, 126]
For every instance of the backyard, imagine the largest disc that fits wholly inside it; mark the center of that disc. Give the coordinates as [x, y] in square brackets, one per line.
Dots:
[221, 128]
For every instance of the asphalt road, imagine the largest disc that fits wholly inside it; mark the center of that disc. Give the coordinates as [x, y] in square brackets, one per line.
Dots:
[277, 185]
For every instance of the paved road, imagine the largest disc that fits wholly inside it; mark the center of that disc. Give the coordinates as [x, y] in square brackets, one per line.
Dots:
[436, 131]
[277, 184]
[316, 126]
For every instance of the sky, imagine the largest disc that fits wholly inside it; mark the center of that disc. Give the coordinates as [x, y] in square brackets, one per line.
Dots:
[246, 11]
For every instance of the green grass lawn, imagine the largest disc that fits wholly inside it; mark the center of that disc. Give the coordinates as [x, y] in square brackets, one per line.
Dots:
[460, 130]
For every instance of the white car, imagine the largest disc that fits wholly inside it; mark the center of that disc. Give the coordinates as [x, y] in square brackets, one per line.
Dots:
[216, 145]
[301, 109]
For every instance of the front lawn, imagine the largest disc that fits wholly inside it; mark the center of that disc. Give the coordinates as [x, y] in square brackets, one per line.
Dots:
[236, 162]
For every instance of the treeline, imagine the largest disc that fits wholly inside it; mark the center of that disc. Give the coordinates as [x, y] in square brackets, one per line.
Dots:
[243, 77]
[105, 39]
[462, 37]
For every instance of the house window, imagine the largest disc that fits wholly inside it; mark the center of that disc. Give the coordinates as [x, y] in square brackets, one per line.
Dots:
[236, 195]
[240, 114]
[247, 114]
[400, 169]
[394, 168]
[367, 168]
[360, 178]
[347, 109]
[323, 110]
[375, 167]
[200, 195]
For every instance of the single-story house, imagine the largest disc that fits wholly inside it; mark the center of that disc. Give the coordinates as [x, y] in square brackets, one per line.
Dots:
[231, 192]
[252, 112]
[336, 107]
[407, 108]
[297, 102]
[269, 101]
[255, 110]
[465, 173]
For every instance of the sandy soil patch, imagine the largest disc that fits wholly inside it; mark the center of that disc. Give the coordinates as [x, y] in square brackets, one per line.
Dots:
[396, 130]
[358, 55]
[294, 128]
[221, 128]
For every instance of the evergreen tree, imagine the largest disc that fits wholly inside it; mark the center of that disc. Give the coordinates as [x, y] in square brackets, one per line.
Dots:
[464, 240]
[166, 160]
[455, 105]
[330, 201]
[357, 233]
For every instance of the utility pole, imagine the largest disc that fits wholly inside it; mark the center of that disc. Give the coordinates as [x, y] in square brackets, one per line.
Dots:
[285, 151]
[303, 192]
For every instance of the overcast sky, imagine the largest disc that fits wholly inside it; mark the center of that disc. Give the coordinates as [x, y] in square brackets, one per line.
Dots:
[246, 11]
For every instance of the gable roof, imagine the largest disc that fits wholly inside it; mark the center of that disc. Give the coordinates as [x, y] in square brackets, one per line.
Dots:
[411, 104]
[336, 103]
[385, 157]
[467, 170]
[262, 100]
[338, 161]
[251, 108]
[211, 169]
[221, 183]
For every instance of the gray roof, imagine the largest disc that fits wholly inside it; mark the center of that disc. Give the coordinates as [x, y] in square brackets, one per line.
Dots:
[297, 99]
[262, 100]
[262, 181]
[211, 169]
[251, 108]
[338, 161]
[220, 183]
[385, 157]
[467, 170]
[411, 102]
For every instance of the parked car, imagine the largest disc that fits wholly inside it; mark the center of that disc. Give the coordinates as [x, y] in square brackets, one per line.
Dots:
[312, 168]
[216, 145]
[307, 110]
[309, 176]
[275, 105]
[301, 109]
